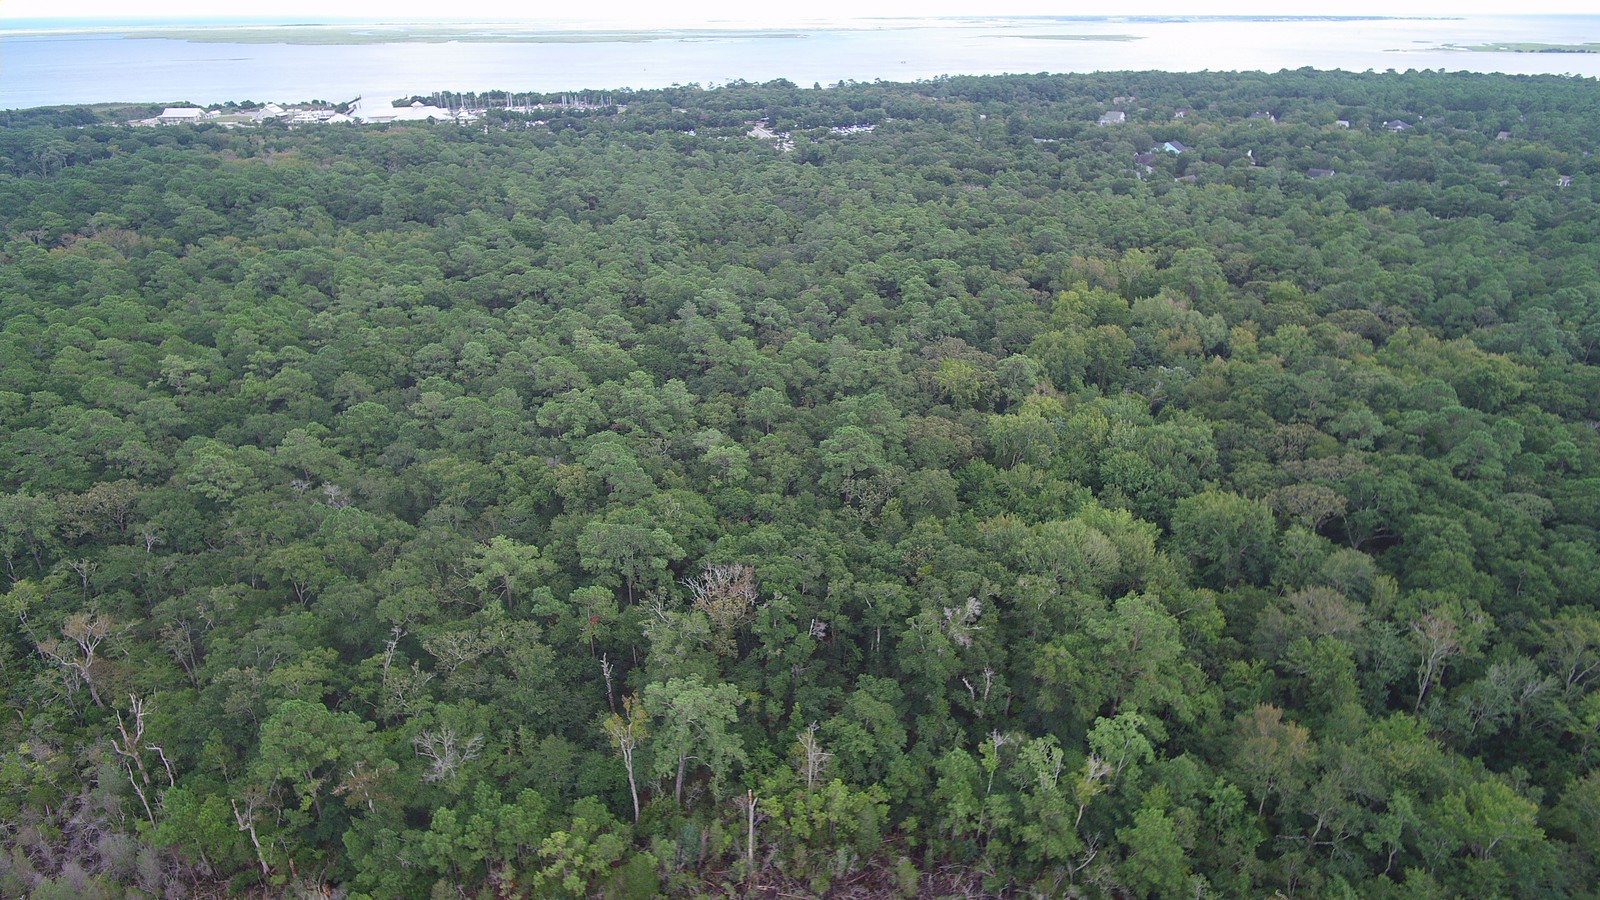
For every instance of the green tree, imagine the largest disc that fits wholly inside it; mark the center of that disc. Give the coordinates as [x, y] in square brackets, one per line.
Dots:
[867, 734]
[1155, 865]
[692, 724]
[1230, 539]
[304, 745]
[508, 570]
[580, 855]
[628, 548]
[1498, 832]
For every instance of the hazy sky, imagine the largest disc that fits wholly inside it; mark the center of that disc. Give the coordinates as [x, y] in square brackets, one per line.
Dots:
[693, 11]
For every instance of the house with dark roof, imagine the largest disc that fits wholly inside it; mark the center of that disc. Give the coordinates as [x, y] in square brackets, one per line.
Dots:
[1174, 146]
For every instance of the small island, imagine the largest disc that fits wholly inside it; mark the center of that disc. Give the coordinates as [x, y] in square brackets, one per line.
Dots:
[1077, 37]
[1525, 47]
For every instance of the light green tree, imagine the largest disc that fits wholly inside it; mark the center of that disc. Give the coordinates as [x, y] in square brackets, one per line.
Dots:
[507, 569]
[692, 719]
[1229, 538]
[636, 552]
[1155, 865]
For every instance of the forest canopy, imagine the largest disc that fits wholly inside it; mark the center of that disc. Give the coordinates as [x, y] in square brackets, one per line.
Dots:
[879, 490]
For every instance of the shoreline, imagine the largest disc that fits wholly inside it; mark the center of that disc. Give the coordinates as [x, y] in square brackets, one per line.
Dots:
[157, 61]
[68, 26]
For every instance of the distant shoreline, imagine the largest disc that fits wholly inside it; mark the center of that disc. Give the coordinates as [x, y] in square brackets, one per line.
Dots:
[553, 30]
[429, 34]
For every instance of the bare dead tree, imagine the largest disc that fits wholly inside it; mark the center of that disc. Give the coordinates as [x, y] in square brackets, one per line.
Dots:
[172, 780]
[363, 786]
[812, 757]
[1091, 849]
[246, 822]
[1440, 640]
[334, 495]
[395, 634]
[606, 670]
[1090, 784]
[132, 755]
[997, 740]
[85, 571]
[178, 640]
[403, 689]
[446, 752]
[725, 593]
[454, 649]
[83, 633]
[961, 622]
[626, 730]
[750, 802]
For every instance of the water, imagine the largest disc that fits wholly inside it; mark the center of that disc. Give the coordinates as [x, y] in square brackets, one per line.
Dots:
[42, 68]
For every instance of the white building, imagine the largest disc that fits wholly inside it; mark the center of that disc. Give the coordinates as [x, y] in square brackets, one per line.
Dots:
[173, 115]
[377, 113]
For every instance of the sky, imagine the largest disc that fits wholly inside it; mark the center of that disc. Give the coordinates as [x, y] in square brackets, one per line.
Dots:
[690, 12]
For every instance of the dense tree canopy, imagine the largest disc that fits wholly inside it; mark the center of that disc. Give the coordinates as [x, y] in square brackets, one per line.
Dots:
[620, 504]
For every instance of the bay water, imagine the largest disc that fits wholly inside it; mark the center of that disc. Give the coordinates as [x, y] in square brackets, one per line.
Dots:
[60, 63]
